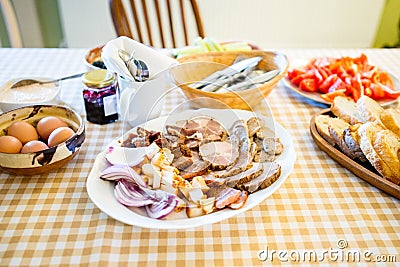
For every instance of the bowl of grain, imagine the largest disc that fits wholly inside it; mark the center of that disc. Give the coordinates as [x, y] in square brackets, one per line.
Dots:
[28, 95]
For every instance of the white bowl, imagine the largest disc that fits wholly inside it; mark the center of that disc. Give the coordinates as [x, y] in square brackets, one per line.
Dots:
[15, 98]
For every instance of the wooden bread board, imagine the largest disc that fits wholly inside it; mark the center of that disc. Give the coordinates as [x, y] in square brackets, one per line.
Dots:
[364, 172]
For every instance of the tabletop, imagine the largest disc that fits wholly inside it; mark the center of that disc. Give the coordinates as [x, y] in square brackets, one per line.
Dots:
[321, 208]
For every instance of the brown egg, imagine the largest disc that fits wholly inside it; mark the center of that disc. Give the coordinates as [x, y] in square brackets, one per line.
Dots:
[48, 124]
[10, 144]
[34, 146]
[59, 135]
[24, 131]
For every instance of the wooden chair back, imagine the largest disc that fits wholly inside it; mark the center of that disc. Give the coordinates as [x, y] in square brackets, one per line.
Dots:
[10, 19]
[158, 23]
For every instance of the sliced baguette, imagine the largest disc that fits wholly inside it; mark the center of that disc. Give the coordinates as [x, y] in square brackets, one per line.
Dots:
[322, 122]
[336, 129]
[387, 145]
[391, 119]
[373, 150]
[345, 108]
[369, 109]
[351, 143]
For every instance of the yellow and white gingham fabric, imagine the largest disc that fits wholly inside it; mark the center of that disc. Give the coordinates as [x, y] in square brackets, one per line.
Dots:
[322, 214]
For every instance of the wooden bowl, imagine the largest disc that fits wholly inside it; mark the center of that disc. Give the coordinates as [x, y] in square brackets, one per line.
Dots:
[48, 159]
[93, 55]
[196, 67]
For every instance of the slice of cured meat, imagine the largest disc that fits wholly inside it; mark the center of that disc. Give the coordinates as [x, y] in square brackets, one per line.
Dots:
[226, 197]
[239, 203]
[198, 167]
[208, 128]
[254, 126]
[268, 148]
[239, 135]
[271, 173]
[219, 154]
[241, 178]
[181, 163]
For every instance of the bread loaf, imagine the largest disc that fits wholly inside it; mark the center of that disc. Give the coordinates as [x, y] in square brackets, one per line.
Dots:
[322, 123]
[345, 108]
[369, 109]
[365, 131]
[336, 130]
[351, 146]
[381, 148]
[391, 119]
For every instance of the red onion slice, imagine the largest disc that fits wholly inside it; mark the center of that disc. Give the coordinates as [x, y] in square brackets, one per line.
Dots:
[163, 207]
[117, 172]
[130, 194]
[158, 203]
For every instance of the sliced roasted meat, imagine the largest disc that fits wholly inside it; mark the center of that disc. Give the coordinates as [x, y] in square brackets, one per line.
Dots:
[226, 197]
[209, 128]
[239, 135]
[216, 185]
[239, 203]
[198, 167]
[191, 127]
[142, 138]
[192, 143]
[268, 148]
[258, 128]
[214, 131]
[246, 176]
[134, 140]
[171, 141]
[220, 154]
[254, 126]
[271, 173]
[173, 130]
[181, 163]
[262, 156]
[272, 145]
[239, 131]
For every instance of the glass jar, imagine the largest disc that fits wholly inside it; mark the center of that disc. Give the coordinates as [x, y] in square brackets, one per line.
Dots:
[100, 96]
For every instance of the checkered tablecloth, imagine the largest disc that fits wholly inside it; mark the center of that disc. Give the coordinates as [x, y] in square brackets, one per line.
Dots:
[322, 214]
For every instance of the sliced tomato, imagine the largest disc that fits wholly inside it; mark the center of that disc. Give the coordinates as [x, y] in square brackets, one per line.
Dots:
[390, 93]
[369, 73]
[353, 77]
[362, 60]
[317, 76]
[357, 89]
[309, 85]
[325, 72]
[294, 73]
[324, 87]
[338, 84]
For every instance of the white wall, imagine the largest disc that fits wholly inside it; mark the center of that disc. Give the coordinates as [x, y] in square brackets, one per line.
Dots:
[268, 23]
[86, 23]
[295, 23]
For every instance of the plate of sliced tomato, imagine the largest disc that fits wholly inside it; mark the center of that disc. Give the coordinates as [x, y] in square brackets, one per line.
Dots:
[322, 79]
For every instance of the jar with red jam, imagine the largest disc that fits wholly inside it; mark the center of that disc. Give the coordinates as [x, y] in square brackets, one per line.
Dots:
[100, 95]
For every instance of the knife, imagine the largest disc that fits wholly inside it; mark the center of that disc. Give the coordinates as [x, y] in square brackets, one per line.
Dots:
[265, 77]
[229, 71]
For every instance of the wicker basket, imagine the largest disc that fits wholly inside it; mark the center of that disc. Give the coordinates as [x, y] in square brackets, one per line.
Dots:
[202, 65]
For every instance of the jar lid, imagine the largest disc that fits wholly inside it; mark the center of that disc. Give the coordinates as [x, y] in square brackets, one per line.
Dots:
[98, 78]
